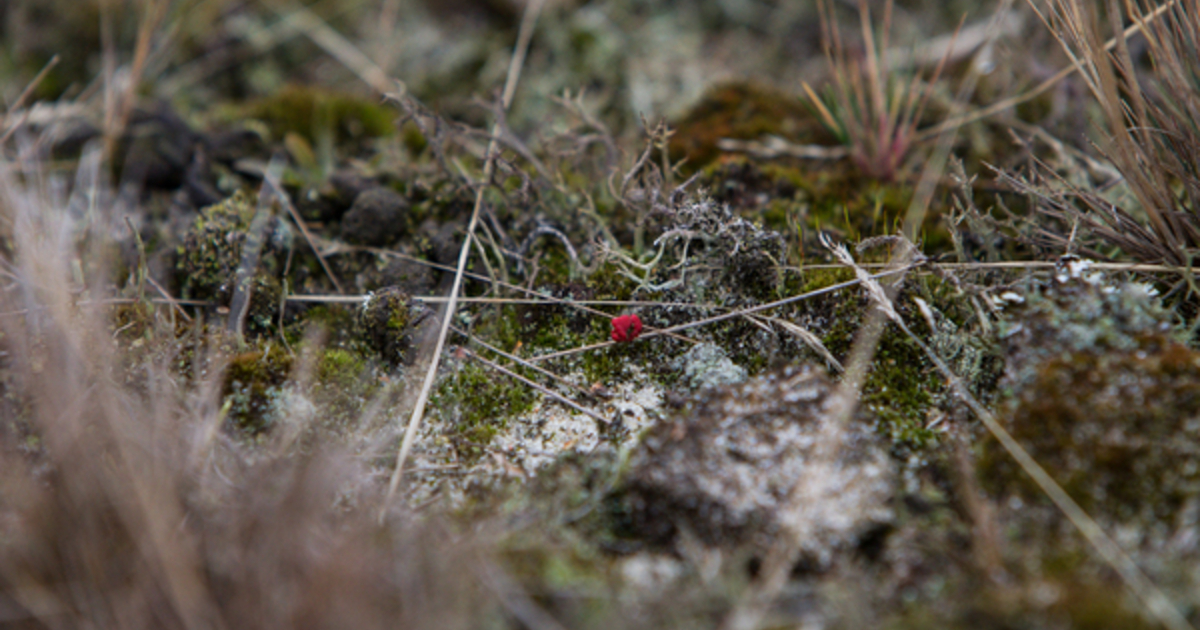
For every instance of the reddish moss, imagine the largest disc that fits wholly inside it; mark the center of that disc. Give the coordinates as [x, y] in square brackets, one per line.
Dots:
[742, 111]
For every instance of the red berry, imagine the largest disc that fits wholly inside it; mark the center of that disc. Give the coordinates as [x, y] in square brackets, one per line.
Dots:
[626, 327]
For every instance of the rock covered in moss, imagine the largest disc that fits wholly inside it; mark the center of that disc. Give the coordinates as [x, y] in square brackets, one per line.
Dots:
[223, 238]
[1103, 395]
[254, 383]
[390, 321]
[725, 465]
[377, 217]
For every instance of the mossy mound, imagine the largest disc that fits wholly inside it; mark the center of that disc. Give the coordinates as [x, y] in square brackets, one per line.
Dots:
[1102, 393]
[222, 239]
[388, 320]
[1119, 430]
[254, 387]
[742, 111]
[311, 113]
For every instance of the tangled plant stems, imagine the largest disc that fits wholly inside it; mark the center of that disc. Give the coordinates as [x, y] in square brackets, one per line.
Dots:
[626, 328]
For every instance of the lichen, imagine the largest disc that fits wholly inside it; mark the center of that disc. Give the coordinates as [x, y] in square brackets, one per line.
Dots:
[727, 464]
[707, 365]
[1100, 390]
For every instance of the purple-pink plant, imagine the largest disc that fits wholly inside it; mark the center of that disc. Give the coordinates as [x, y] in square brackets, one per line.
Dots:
[872, 111]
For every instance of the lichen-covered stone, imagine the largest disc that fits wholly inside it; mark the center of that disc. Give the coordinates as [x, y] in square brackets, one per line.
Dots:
[1103, 395]
[725, 466]
[708, 365]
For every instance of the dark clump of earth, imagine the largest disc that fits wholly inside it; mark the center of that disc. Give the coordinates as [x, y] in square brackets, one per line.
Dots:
[377, 217]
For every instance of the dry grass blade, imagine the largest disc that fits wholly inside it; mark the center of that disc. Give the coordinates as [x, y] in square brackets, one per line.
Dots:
[532, 10]
[809, 339]
[117, 115]
[13, 125]
[337, 46]
[272, 182]
[526, 364]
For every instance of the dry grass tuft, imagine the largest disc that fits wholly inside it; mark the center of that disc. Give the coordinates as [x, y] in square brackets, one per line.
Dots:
[1151, 128]
[120, 506]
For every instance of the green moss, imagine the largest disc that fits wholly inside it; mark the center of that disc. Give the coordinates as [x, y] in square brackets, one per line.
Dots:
[345, 383]
[832, 197]
[479, 403]
[339, 323]
[338, 368]
[253, 384]
[312, 112]
[902, 386]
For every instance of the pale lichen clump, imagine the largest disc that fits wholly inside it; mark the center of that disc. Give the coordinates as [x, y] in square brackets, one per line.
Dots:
[728, 465]
[708, 365]
[549, 430]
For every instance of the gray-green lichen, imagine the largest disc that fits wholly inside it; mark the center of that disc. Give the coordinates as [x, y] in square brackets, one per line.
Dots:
[1102, 393]
[708, 365]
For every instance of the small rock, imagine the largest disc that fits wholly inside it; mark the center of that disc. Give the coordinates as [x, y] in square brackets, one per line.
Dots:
[725, 466]
[377, 217]
[392, 322]
[409, 275]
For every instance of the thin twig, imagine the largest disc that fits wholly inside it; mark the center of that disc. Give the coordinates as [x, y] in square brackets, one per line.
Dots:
[25, 94]
[168, 298]
[510, 86]
[515, 359]
[548, 300]
[272, 181]
[730, 315]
